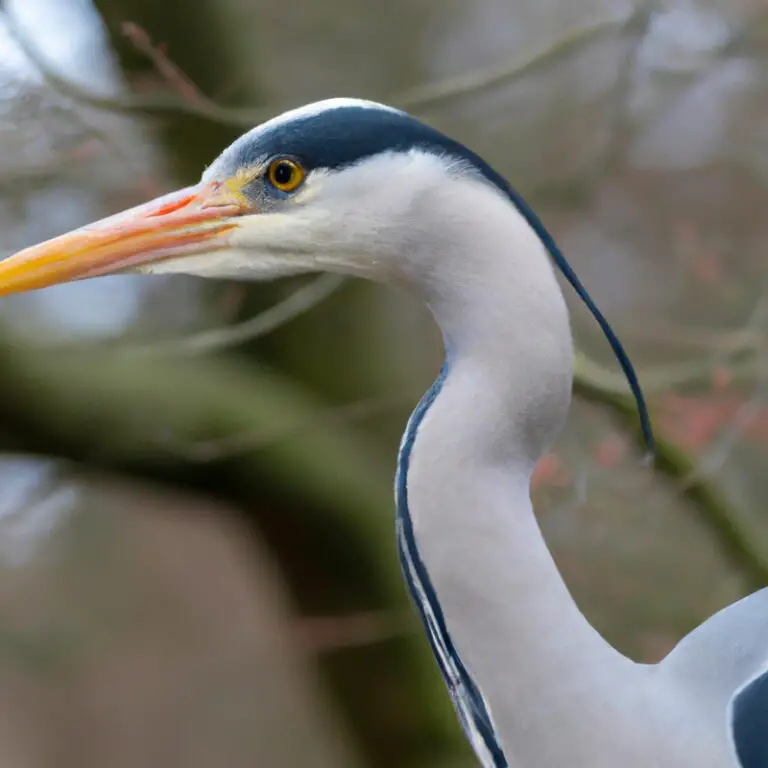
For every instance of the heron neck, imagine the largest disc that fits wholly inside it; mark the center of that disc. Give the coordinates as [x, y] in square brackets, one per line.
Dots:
[508, 615]
[466, 518]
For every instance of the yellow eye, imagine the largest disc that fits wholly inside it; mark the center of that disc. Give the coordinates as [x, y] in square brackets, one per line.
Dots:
[285, 175]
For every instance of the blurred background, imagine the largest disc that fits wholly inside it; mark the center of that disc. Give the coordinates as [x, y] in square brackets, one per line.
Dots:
[197, 562]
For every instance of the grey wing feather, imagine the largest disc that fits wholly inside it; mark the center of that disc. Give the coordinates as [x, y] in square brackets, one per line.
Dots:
[749, 723]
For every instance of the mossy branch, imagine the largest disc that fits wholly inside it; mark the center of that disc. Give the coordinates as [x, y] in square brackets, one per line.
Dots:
[596, 385]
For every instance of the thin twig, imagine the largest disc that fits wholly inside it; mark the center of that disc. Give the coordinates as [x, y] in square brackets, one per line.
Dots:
[128, 102]
[166, 68]
[297, 303]
[505, 71]
[415, 99]
[326, 634]
[721, 340]
[663, 378]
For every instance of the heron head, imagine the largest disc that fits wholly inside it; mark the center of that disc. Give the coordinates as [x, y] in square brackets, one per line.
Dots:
[327, 187]
[342, 185]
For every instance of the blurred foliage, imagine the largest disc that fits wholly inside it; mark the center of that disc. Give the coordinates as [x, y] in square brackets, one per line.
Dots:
[229, 552]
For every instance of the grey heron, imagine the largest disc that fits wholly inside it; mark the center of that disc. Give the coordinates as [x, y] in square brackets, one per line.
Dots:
[359, 188]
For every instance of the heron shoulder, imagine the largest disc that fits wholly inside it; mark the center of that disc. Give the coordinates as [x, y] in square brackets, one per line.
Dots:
[724, 652]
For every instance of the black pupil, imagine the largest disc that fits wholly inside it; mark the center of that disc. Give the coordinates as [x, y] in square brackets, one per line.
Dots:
[283, 173]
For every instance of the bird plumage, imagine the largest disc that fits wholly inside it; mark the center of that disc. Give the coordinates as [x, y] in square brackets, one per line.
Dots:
[387, 197]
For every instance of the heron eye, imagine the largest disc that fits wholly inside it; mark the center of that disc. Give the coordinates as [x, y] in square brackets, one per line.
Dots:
[285, 175]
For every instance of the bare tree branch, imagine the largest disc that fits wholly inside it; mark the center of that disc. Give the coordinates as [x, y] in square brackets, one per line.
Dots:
[238, 444]
[417, 98]
[108, 411]
[595, 385]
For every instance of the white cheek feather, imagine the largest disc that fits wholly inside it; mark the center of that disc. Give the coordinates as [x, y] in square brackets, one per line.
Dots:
[387, 184]
[229, 263]
[236, 263]
[374, 210]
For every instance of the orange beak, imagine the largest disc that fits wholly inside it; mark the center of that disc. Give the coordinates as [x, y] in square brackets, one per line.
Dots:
[192, 220]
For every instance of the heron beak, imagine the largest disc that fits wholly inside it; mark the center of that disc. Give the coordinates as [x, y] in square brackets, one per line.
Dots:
[190, 221]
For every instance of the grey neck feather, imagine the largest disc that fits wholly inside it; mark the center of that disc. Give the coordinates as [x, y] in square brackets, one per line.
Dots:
[506, 393]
